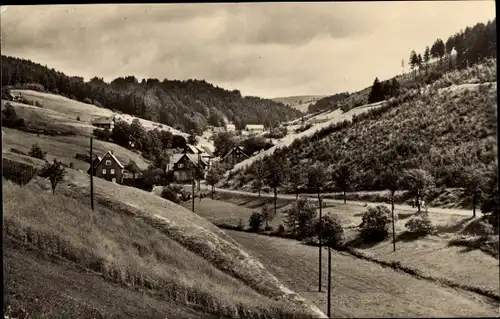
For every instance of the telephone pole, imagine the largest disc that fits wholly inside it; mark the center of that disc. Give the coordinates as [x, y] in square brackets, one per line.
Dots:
[192, 194]
[91, 176]
[329, 279]
[199, 171]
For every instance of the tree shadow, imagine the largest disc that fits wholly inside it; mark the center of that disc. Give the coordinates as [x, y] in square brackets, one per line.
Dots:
[405, 215]
[455, 227]
[407, 236]
[362, 243]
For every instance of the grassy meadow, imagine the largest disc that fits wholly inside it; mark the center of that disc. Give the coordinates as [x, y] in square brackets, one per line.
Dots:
[431, 255]
[141, 241]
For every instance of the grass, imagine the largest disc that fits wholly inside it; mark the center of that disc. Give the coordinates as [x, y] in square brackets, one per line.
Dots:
[64, 148]
[431, 256]
[42, 119]
[360, 288]
[137, 239]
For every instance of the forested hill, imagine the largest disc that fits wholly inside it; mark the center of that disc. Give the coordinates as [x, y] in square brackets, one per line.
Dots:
[186, 105]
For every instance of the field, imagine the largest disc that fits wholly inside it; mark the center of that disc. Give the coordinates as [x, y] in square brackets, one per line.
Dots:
[64, 148]
[431, 255]
[142, 242]
[360, 288]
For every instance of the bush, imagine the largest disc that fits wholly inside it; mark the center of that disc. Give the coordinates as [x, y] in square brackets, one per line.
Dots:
[375, 224]
[241, 224]
[172, 193]
[78, 118]
[10, 118]
[37, 152]
[256, 221]
[38, 104]
[281, 229]
[332, 233]
[420, 224]
[87, 100]
[300, 218]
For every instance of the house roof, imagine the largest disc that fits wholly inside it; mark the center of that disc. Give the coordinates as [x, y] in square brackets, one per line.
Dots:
[175, 158]
[197, 149]
[234, 148]
[254, 127]
[103, 120]
[193, 158]
[113, 157]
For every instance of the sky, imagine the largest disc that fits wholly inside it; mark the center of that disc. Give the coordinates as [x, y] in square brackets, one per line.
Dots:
[262, 49]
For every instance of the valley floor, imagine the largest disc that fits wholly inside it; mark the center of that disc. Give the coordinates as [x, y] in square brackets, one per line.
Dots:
[359, 288]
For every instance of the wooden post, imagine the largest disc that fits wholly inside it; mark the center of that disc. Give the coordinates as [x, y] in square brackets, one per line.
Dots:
[320, 240]
[192, 193]
[329, 280]
[91, 176]
[199, 171]
[393, 226]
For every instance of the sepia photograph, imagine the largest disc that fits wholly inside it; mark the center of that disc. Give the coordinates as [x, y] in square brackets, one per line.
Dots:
[251, 160]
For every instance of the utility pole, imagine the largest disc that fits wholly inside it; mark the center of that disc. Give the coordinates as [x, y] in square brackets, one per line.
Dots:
[91, 176]
[199, 171]
[320, 240]
[192, 194]
[329, 279]
[393, 226]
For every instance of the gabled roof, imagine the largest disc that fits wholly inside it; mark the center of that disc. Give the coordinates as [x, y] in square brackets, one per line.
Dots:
[196, 150]
[113, 157]
[234, 148]
[193, 158]
[175, 158]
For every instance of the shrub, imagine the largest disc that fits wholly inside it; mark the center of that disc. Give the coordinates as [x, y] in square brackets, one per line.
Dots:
[10, 118]
[38, 104]
[171, 193]
[300, 218]
[256, 221]
[420, 224]
[375, 224]
[281, 229]
[332, 233]
[78, 118]
[87, 100]
[37, 152]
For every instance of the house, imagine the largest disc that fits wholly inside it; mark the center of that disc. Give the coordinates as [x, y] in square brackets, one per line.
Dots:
[204, 154]
[234, 156]
[109, 168]
[230, 128]
[254, 128]
[104, 122]
[187, 164]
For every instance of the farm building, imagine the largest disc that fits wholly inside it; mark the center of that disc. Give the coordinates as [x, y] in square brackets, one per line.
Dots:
[104, 122]
[234, 156]
[204, 153]
[109, 168]
[254, 128]
[187, 164]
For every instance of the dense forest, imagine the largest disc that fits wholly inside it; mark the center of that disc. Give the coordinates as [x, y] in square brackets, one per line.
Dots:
[186, 105]
[471, 46]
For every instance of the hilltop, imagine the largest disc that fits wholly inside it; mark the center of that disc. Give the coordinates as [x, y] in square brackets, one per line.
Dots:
[300, 102]
[189, 106]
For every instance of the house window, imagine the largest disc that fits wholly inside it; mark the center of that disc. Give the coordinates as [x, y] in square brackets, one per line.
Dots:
[108, 162]
[112, 171]
[180, 165]
[103, 171]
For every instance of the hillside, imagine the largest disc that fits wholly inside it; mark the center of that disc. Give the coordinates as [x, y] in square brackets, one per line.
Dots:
[185, 105]
[300, 102]
[157, 251]
[61, 114]
[448, 127]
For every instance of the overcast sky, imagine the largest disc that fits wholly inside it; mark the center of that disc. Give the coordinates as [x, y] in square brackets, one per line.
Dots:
[263, 49]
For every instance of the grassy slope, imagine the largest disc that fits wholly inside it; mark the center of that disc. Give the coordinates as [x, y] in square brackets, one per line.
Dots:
[64, 108]
[431, 255]
[360, 288]
[64, 148]
[137, 238]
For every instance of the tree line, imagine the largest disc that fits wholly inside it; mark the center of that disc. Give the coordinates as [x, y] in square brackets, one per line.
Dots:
[471, 45]
[189, 105]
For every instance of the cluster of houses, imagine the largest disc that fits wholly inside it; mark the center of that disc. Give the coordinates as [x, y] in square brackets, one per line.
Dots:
[182, 164]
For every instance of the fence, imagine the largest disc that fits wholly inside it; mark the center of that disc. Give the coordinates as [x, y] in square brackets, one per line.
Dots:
[18, 172]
